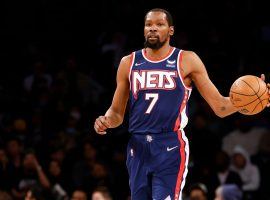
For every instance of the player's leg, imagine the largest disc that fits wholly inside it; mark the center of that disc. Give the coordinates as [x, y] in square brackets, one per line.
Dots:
[165, 178]
[169, 176]
[139, 179]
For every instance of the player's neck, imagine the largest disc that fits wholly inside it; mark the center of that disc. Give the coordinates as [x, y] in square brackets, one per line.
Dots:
[158, 54]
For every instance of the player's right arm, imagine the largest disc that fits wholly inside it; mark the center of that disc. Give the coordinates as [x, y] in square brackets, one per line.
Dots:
[115, 114]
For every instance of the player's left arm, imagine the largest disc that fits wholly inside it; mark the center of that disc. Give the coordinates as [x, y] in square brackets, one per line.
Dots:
[221, 105]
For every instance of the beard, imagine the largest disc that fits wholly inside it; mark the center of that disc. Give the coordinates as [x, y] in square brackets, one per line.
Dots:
[155, 45]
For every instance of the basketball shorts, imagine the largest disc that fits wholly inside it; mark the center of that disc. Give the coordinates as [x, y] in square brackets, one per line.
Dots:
[157, 165]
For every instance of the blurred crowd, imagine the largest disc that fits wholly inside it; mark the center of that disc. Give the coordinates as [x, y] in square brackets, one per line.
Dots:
[52, 89]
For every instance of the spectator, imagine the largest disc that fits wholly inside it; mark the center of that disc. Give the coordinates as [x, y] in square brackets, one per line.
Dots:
[38, 80]
[5, 196]
[56, 177]
[79, 195]
[82, 167]
[77, 85]
[101, 193]
[14, 149]
[32, 176]
[54, 171]
[57, 153]
[198, 192]
[200, 135]
[262, 160]
[248, 172]
[20, 127]
[223, 174]
[245, 135]
[228, 192]
[90, 173]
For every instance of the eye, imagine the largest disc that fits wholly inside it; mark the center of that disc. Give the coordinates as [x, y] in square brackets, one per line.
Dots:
[147, 24]
[160, 24]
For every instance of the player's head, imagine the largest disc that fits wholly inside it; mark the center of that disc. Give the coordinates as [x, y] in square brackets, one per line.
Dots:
[158, 28]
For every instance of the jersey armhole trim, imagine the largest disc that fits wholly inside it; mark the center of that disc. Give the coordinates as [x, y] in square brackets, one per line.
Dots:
[132, 58]
[179, 64]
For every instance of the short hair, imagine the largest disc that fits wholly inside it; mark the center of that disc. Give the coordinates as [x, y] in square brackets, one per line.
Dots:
[168, 15]
[199, 186]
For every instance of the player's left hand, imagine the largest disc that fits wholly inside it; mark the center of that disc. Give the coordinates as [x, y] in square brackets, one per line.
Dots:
[268, 86]
[102, 124]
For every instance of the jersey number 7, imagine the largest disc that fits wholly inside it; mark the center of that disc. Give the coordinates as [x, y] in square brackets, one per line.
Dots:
[154, 97]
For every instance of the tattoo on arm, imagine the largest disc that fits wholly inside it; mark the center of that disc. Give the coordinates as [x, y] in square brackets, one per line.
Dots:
[223, 108]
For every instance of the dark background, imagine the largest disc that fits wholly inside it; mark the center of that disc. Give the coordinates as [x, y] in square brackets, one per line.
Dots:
[78, 45]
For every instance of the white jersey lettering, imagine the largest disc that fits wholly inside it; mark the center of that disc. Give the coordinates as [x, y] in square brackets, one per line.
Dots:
[153, 79]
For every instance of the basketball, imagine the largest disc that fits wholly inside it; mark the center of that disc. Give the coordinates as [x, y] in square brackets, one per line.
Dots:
[249, 94]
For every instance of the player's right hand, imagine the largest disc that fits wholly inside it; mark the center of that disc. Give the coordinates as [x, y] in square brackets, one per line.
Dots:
[101, 125]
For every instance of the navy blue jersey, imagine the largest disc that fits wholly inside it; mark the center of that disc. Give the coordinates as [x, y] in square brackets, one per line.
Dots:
[158, 96]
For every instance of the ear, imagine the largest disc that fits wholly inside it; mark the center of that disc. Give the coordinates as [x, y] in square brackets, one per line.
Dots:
[171, 31]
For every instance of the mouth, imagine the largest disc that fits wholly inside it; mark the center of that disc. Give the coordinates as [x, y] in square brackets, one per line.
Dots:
[152, 37]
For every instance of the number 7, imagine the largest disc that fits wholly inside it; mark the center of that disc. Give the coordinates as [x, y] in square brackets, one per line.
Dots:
[154, 96]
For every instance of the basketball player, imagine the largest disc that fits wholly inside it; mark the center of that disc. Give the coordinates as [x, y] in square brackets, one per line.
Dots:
[157, 81]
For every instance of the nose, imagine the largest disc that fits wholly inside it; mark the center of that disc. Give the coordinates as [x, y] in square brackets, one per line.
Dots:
[153, 28]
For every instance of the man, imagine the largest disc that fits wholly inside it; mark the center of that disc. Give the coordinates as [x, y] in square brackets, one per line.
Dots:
[198, 191]
[249, 172]
[101, 193]
[157, 81]
[228, 192]
[79, 195]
